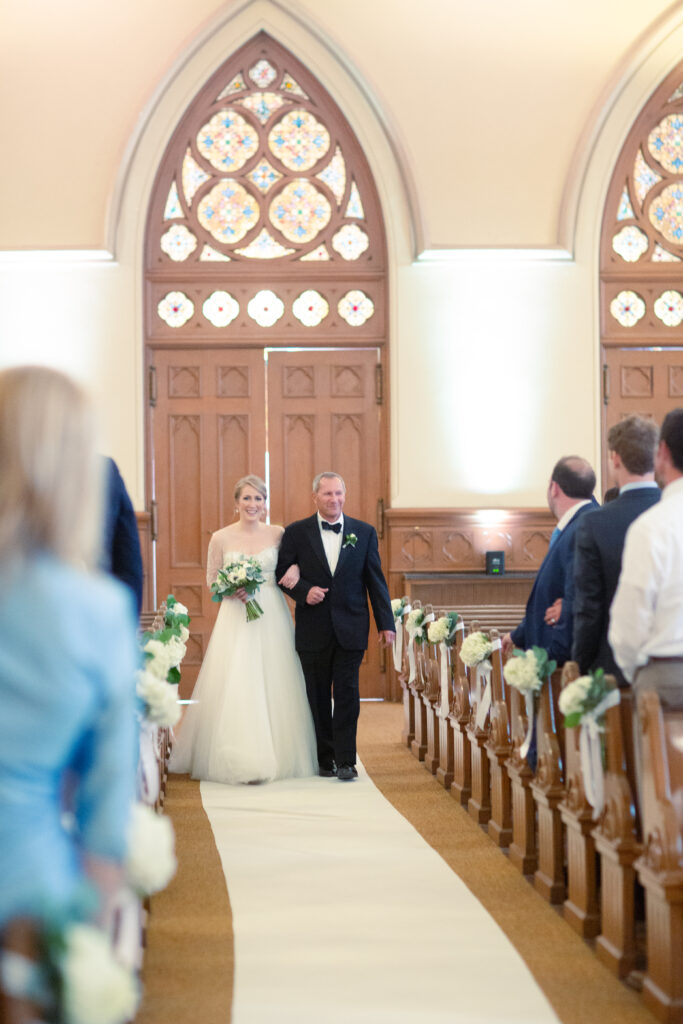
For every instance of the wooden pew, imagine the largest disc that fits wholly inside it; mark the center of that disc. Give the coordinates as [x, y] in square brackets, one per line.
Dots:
[618, 845]
[461, 709]
[429, 668]
[523, 848]
[444, 773]
[581, 908]
[418, 744]
[408, 734]
[660, 868]
[548, 790]
[498, 750]
[479, 804]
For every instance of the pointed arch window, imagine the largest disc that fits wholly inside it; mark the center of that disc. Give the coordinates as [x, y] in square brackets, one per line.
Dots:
[642, 230]
[264, 211]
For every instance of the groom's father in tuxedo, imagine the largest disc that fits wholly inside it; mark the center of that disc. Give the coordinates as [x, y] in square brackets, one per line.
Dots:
[340, 568]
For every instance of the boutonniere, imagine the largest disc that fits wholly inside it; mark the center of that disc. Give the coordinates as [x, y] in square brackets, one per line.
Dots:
[350, 540]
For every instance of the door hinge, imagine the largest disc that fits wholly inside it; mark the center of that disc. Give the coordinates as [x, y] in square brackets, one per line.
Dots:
[379, 384]
[605, 384]
[152, 385]
[154, 520]
[380, 518]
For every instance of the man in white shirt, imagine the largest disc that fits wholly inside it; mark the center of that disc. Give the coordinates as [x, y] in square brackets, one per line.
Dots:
[646, 621]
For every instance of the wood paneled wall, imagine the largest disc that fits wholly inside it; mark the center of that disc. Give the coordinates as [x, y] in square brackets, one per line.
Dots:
[145, 530]
[456, 541]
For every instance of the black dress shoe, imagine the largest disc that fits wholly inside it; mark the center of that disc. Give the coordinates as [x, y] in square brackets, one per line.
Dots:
[347, 772]
[327, 772]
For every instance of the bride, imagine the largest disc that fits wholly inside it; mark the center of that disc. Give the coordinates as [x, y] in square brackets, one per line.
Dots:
[251, 722]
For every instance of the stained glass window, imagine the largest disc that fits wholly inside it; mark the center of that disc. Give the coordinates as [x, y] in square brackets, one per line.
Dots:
[627, 308]
[669, 308]
[266, 308]
[310, 308]
[299, 211]
[220, 308]
[178, 242]
[264, 176]
[642, 233]
[176, 309]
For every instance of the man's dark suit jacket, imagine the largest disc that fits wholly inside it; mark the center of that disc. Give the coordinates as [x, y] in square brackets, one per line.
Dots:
[121, 555]
[597, 565]
[344, 612]
[554, 579]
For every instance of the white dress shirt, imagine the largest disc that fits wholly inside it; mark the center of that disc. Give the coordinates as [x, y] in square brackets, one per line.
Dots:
[646, 619]
[332, 541]
[566, 519]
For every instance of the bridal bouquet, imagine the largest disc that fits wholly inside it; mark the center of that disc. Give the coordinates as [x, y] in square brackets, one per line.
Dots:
[246, 574]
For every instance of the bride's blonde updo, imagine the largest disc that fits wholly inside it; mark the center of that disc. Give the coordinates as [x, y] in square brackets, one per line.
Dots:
[251, 481]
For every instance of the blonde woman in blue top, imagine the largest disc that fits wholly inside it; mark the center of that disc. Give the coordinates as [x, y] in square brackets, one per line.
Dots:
[67, 658]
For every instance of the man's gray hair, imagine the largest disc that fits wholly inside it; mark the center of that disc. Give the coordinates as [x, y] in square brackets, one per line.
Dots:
[328, 474]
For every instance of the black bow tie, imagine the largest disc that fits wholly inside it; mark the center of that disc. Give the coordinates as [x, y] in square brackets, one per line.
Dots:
[335, 527]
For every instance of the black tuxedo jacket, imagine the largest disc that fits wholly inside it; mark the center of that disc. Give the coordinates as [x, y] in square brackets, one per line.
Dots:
[121, 555]
[597, 565]
[344, 612]
[553, 580]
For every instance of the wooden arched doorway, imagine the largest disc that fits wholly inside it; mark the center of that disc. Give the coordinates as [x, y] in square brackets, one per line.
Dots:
[265, 318]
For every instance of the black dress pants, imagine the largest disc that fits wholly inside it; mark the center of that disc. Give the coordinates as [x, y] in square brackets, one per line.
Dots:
[333, 670]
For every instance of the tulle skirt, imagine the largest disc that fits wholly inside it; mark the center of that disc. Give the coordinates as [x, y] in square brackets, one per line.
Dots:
[251, 722]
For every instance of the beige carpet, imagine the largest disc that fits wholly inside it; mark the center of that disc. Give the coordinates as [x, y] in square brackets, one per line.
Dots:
[188, 966]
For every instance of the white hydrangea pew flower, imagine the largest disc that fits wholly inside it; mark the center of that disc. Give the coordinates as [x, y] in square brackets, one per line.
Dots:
[573, 695]
[522, 673]
[150, 861]
[96, 988]
[160, 698]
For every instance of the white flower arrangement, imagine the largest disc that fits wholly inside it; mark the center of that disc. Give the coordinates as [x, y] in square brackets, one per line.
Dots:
[397, 606]
[160, 660]
[176, 609]
[528, 670]
[95, 988]
[443, 630]
[159, 697]
[415, 625]
[475, 648]
[150, 861]
[581, 696]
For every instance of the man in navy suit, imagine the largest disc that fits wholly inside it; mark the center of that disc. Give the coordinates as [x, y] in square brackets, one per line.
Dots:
[121, 555]
[570, 496]
[338, 558]
[600, 540]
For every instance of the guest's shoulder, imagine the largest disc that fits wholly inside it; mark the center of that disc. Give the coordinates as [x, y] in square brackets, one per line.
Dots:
[92, 599]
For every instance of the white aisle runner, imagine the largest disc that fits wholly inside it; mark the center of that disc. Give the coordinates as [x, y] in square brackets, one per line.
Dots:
[342, 914]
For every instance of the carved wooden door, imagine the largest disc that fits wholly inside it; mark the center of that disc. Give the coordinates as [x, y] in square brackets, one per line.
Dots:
[216, 414]
[646, 381]
[323, 413]
[208, 430]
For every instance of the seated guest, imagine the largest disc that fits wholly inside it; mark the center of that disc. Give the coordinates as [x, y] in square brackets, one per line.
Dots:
[569, 497]
[600, 541]
[68, 656]
[646, 621]
[121, 554]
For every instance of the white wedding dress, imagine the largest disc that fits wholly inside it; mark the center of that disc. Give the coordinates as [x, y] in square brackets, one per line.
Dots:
[251, 722]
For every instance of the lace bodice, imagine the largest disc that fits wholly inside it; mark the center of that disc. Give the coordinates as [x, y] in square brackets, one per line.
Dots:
[220, 555]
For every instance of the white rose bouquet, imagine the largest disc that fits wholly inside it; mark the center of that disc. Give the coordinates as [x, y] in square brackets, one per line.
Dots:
[415, 625]
[528, 670]
[245, 574]
[150, 860]
[443, 630]
[475, 648]
[176, 614]
[397, 606]
[581, 696]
